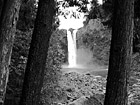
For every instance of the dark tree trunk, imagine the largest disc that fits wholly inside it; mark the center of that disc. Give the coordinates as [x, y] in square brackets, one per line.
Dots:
[1, 5]
[8, 19]
[120, 53]
[34, 74]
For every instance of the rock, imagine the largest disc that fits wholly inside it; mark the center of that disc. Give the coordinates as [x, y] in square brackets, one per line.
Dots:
[86, 101]
[79, 101]
[92, 101]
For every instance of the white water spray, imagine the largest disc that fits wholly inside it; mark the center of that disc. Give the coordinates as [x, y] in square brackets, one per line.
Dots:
[72, 52]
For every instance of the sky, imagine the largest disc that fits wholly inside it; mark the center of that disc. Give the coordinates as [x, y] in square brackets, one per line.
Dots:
[72, 22]
[100, 1]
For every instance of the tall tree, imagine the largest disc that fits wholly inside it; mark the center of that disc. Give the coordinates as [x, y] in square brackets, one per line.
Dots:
[1, 5]
[120, 53]
[34, 74]
[9, 11]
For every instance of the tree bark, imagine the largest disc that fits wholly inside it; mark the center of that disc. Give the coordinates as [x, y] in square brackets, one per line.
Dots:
[34, 74]
[1, 5]
[120, 53]
[8, 19]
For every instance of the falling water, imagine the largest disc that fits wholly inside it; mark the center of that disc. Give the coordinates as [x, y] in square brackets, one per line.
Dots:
[71, 38]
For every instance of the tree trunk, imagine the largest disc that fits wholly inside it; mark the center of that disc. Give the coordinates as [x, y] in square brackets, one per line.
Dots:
[8, 19]
[1, 5]
[120, 53]
[34, 74]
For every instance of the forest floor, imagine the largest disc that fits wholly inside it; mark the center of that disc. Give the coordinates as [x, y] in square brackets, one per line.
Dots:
[83, 89]
[88, 88]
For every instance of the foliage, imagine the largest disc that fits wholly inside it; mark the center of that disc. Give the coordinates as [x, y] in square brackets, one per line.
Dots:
[97, 39]
[69, 87]
[107, 9]
[27, 15]
[134, 81]
[17, 66]
[82, 4]
[56, 57]
[20, 50]
[51, 91]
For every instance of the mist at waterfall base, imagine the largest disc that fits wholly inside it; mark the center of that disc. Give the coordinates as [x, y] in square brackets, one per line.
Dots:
[85, 64]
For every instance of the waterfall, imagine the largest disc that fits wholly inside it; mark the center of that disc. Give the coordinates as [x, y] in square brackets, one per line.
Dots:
[71, 38]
